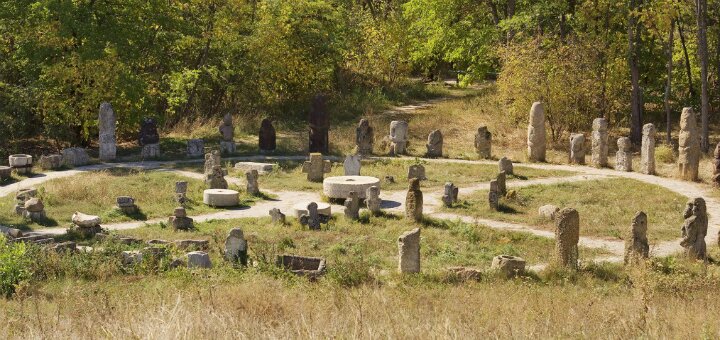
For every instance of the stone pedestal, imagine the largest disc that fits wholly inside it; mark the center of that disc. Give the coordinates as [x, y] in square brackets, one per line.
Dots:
[22, 164]
[150, 151]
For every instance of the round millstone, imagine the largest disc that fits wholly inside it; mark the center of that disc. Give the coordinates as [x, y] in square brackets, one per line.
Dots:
[341, 186]
[221, 198]
[301, 209]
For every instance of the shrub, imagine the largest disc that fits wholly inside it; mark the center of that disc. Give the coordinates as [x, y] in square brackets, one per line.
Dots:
[664, 153]
[13, 266]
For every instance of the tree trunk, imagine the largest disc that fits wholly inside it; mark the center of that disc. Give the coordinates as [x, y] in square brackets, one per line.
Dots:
[701, 12]
[633, 63]
[668, 84]
[687, 60]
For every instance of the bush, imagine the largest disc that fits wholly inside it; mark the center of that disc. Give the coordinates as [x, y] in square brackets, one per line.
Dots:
[665, 154]
[13, 266]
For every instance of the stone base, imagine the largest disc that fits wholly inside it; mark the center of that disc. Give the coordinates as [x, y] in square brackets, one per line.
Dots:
[221, 198]
[24, 170]
[150, 151]
[300, 209]
[129, 210]
[87, 232]
[35, 216]
[5, 172]
[181, 223]
[227, 147]
[340, 186]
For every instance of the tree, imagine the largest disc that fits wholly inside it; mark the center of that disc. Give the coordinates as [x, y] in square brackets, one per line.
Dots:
[636, 100]
[701, 13]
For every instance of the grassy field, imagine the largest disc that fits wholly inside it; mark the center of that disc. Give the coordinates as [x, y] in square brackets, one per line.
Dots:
[606, 207]
[96, 192]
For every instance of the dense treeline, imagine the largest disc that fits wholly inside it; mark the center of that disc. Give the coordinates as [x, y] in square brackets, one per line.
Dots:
[194, 58]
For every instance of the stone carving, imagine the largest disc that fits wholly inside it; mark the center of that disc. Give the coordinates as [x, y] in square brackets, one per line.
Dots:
[277, 216]
[508, 265]
[106, 123]
[600, 143]
[22, 164]
[364, 136]
[180, 221]
[236, 247]
[212, 159]
[416, 171]
[694, 229]
[567, 236]
[148, 132]
[226, 128]
[319, 125]
[398, 137]
[494, 195]
[647, 150]
[450, 196]
[636, 243]
[536, 133]
[75, 157]
[435, 144]
[577, 148]
[414, 201]
[483, 142]
[502, 188]
[372, 200]
[126, 204]
[198, 259]
[316, 167]
[689, 146]
[623, 157]
[716, 168]
[352, 165]
[312, 218]
[352, 206]
[252, 187]
[50, 162]
[409, 252]
[267, 138]
[216, 179]
[181, 191]
[86, 225]
[505, 165]
[150, 151]
[195, 148]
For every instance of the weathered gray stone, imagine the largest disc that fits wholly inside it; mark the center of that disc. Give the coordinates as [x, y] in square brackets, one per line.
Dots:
[316, 167]
[647, 150]
[352, 206]
[131, 257]
[312, 218]
[195, 147]
[506, 165]
[548, 211]
[502, 187]
[5, 172]
[107, 141]
[688, 146]
[577, 148]
[694, 229]
[409, 252]
[494, 195]
[509, 265]
[623, 157]
[352, 165]
[180, 221]
[416, 171]
[226, 128]
[372, 200]
[483, 142]
[85, 221]
[277, 216]
[75, 157]
[227, 147]
[216, 179]
[261, 168]
[434, 144]
[181, 187]
[364, 136]
[50, 162]
[466, 274]
[212, 159]
[567, 236]
[198, 259]
[310, 267]
[21, 163]
[34, 205]
[12, 232]
[637, 248]
[414, 201]
[252, 187]
[150, 151]
[236, 247]
[450, 196]
[398, 137]
[127, 205]
[536, 133]
[600, 143]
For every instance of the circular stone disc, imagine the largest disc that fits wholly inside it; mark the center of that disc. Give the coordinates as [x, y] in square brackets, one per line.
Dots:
[341, 186]
[221, 198]
[300, 209]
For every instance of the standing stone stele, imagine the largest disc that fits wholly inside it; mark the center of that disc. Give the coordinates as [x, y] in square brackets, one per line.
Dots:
[198, 259]
[577, 148]
[216, 179]
[180, 221]
[637, 248]
[600, 143]
[504, 164]
[236, 247]
[181, 188]
[434, 144]
[398, 137]
[267, 137]
[319, 122]
[494, 195]
[647, 150]
[212, 159]
[352, 165]
[409, 252]
[688, 146]
[450, 196]
[316, 167]
[149, 138]
[623, 157]
[414, 201]
[372, 200]
[277, 216]
[364, 136]
[483, 142]
[567, 236]
[227, 132]
[195, 147]
[716, 166]
[536, 133]
[352, 206]
[107, 123]
[694, 229]
[252, 187]
[502, 187]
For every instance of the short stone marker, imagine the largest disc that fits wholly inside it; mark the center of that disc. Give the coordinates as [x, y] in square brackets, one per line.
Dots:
[483, 142]
[434, 144]
[567, 236]
[198, 259]
[509, 265]
[212, 159]
[195, 147]
[450, 195]
[623, 157]
[252, 187]
[398, 137]
[416, 171]
[688, 146]
[180, 221]
[637, 248]
[600, 143]
[647, 150]
[106, 125]
[126, 204]
[414, 201]
[316, 167]
[372, 200]
[5, 172]
[34, 210]
[502, 186]
[694, 229]
[364, 136]
[267, 138]
[577, 148]
[181, 188]
[216, 179]
[504, 164]
[236, 247]
[300, 209]
[536, 133]
[86, 224]
[312, 218]
[352, 206]
[277, 216]
[409, 252]
[131, 257]
[494, 195]
[352, 165]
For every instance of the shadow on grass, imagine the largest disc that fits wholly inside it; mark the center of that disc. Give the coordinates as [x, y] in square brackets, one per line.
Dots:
[520, 177]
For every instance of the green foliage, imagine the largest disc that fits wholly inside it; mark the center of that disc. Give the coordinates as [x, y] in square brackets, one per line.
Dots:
[13, 266]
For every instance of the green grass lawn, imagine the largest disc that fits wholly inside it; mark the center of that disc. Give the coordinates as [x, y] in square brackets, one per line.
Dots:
[606, 207]
[95, 193]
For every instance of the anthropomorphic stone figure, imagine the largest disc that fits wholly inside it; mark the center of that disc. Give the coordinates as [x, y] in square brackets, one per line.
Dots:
[416, 171]
[316, 167]
[227, 132]
[107, 123]
[267, 136]
[277, 216]
[623, 157]
[450, 196]
[434, 144]
[694, 229]
[252, 187]
[647, 150]
[409, 252]
[577, 148]
[127, 205]
[414, 201]
[688, 146]
[502, 187]
[195, 147]
[398, 137]
[637, 247]
[312, 218]
[716, 166]
[364, 137]
[352, 165]
[504, 164]
[494, 195]
[149, 139]
[212, 159]
[216, 179]
[319, 125]
[372, 200]
[181, 188]
[236, 247]
[567, 236]
[600, 143]
[536, 133]
[483, 142]
[352, 206]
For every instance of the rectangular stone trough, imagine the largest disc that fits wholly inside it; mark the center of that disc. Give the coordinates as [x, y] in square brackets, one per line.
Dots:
[301, 265]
